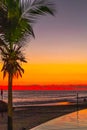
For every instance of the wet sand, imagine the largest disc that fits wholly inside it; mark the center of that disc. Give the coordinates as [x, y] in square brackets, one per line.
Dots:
[31, 116]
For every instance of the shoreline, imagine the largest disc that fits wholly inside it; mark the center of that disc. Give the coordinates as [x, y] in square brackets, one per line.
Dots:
[32, 116]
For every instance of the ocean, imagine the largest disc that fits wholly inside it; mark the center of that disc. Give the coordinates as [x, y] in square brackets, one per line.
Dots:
[33, 98]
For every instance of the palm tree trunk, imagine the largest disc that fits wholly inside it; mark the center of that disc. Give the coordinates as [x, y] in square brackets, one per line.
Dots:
[10, 109]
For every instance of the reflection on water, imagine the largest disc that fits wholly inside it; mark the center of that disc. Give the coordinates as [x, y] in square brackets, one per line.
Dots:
[63, 103]
[74, 121]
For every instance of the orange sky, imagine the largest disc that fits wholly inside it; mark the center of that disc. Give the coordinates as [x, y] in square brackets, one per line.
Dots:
[54, 74]
[51, 74]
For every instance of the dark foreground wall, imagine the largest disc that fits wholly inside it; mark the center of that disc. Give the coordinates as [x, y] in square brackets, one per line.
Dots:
[3, 106]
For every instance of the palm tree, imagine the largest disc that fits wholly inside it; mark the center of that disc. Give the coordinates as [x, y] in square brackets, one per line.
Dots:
[11, 66]
[16, 19]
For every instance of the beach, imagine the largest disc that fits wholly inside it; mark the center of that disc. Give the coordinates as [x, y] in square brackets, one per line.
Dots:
[31, 116]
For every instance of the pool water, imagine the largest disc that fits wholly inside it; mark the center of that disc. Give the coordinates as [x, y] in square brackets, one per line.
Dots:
[74, 121]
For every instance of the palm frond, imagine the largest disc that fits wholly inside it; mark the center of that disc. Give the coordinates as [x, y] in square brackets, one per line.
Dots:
[19, 15]
[36, 7]
[4, 74]
[11, 60]
[31, 9]
[16, 20]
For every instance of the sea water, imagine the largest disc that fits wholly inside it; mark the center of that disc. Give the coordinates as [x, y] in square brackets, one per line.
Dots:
[26, 98]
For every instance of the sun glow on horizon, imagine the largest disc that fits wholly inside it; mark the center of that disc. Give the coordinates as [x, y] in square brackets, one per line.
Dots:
[44, 74]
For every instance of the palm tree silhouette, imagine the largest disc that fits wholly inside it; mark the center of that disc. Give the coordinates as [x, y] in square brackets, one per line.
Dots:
[16, 19]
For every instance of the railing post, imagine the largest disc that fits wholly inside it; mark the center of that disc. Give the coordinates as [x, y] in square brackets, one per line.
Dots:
[77, 101]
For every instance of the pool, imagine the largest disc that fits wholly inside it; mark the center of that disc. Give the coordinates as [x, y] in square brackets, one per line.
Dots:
[74, 121]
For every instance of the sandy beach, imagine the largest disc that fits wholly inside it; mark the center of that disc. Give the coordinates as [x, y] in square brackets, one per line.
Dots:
[31, 116]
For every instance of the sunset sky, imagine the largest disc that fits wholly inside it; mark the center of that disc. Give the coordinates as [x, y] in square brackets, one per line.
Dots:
[58, 54]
